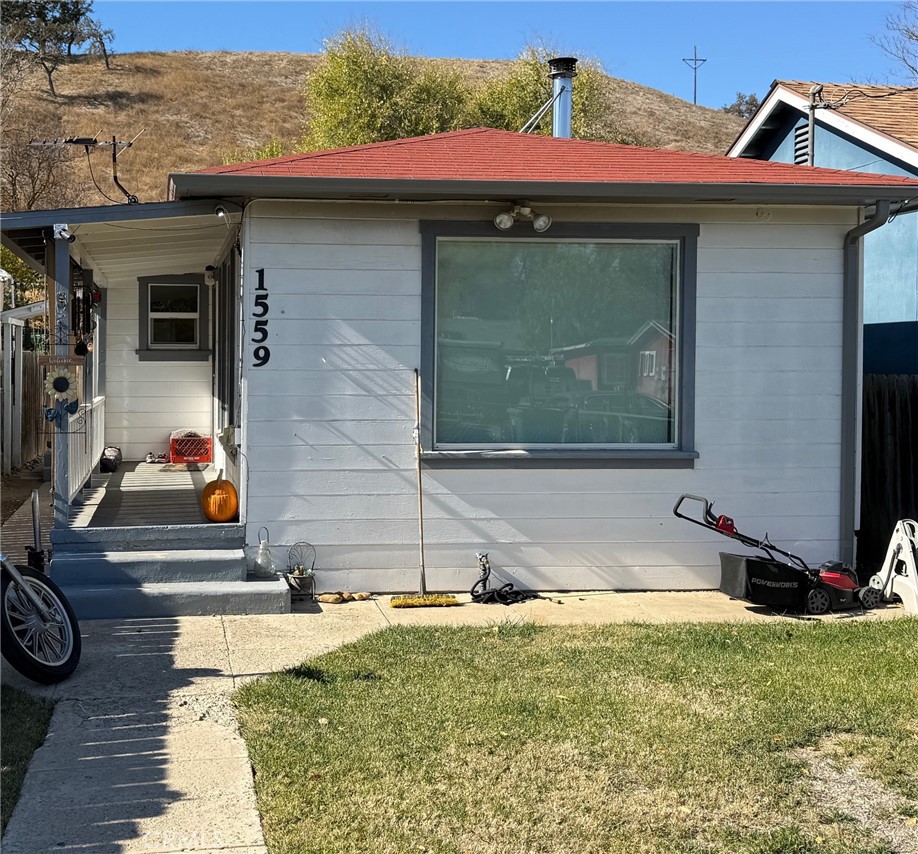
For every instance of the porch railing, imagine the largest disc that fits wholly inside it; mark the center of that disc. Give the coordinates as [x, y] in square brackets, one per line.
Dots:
[85, 445]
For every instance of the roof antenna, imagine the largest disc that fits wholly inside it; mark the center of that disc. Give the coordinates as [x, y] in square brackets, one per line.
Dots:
[88, 142]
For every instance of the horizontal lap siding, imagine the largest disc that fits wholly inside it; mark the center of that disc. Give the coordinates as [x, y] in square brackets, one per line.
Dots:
[146, 401]
[330, 418]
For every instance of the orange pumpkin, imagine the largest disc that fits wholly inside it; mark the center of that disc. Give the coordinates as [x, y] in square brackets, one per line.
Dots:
[219, 500]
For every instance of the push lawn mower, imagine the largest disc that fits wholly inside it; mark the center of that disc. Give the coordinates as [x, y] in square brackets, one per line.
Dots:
[788, 585]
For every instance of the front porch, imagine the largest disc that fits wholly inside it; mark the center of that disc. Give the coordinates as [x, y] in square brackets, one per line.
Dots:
[143, 494]
[144, 344]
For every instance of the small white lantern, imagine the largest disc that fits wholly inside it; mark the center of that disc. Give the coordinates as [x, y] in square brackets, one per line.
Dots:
[265, 567]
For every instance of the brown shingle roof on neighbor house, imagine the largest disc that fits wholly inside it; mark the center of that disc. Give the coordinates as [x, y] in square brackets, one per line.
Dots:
[485, 154]
[892, 110]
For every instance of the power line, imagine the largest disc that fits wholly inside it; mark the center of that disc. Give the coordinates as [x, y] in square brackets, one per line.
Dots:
[694, 63]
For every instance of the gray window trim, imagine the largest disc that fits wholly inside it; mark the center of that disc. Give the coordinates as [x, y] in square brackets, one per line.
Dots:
[682, 456]
[202, 352]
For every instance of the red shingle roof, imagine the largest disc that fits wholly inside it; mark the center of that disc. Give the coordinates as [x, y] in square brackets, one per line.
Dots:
[485, 154]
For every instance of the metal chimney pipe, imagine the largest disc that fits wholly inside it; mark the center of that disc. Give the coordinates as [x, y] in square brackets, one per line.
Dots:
[562, 73]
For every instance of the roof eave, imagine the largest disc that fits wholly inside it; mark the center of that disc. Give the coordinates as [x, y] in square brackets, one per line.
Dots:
[190, 186]
[14, 220]
[781, 97]
[24, 312]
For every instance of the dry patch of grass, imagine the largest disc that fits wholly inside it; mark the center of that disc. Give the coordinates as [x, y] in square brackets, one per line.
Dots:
[844, 788]
[195, 108]
[627, 738]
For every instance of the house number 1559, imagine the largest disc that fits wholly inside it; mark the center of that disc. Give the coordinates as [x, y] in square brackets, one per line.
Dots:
[262, 353]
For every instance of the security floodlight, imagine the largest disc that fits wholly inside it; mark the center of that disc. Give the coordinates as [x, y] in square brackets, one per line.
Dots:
[541, 222]
[504, 221]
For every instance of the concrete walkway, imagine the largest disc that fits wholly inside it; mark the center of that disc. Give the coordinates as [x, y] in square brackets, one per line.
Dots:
[143, 753]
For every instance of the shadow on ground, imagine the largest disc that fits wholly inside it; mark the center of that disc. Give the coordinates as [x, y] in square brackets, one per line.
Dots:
[141, 749]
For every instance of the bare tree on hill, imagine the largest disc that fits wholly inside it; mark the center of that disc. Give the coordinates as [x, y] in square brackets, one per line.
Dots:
[901, 41]
[47, 31]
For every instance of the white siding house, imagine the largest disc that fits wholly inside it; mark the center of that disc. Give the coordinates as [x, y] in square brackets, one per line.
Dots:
[683, 323]
[329, 421]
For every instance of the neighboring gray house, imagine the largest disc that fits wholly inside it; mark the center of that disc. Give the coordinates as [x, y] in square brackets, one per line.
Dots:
[280, 308]
[866, 129]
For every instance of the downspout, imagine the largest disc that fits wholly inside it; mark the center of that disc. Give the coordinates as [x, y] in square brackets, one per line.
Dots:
[852, 343]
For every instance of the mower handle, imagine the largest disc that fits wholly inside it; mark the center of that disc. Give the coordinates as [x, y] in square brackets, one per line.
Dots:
[707, 515]
[725, 526]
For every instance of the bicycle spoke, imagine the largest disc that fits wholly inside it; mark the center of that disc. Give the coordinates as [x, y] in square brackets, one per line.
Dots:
[55, 644]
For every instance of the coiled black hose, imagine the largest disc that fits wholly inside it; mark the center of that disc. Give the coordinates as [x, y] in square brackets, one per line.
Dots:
[482, 594]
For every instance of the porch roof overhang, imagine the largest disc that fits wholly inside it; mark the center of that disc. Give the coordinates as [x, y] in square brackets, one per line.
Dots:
[123, 241]
[24, 312]
[196, 186]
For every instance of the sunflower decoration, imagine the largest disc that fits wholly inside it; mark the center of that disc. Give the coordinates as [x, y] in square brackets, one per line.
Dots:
[61, 384]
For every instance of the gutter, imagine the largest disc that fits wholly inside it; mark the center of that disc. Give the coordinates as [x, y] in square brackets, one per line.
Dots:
[189, 186]
[852, 382]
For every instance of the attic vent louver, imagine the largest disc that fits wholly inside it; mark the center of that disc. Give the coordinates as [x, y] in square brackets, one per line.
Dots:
[801, 144]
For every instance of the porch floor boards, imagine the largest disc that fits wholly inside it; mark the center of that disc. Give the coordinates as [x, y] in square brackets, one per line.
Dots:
[143, 494]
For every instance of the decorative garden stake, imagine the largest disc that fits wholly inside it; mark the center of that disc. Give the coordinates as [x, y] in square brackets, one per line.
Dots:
[60, 384]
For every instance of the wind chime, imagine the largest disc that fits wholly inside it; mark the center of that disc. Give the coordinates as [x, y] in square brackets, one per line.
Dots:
[84, 299]
[61, 383]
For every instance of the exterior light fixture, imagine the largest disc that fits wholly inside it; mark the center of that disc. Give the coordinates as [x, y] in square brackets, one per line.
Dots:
[223, 215]
[522, 211]
[541, 222]
[504, 221]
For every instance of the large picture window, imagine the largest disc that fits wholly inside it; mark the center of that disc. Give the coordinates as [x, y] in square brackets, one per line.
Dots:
[561, 342]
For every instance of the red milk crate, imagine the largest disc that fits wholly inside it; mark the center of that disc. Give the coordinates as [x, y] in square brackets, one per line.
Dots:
[185, 448]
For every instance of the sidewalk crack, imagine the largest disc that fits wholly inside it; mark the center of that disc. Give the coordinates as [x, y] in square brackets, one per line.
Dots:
[381, 611]
[229, 654]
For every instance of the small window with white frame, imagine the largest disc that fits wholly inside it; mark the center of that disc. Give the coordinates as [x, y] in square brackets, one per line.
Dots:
[648, 363]
[174, 316]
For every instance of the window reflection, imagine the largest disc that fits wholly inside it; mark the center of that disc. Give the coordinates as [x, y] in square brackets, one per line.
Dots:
[555, 342]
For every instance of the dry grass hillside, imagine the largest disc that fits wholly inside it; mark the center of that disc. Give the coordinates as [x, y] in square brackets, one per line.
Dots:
[195, 108]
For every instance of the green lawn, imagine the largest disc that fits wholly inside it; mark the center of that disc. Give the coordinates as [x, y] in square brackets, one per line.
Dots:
[24, 723]
[629, 738]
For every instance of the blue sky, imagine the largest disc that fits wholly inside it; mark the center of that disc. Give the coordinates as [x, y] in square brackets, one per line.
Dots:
[747, 45]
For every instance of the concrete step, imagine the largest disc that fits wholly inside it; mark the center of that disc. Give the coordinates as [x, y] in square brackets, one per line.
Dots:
[144, 538]
[184, 566]
[194, 599]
